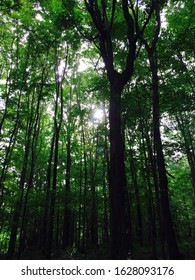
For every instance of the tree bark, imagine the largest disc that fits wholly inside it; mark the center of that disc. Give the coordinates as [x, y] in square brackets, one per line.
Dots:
[117, 174]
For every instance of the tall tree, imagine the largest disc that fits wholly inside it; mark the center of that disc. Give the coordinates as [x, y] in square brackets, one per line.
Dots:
[158, 148]
[103, 16]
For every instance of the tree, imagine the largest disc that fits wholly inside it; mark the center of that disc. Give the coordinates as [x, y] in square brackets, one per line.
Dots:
[104, 26]
[96, 130]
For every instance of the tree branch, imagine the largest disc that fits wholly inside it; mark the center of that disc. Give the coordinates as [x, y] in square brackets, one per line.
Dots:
[113, 11]
[140, 32]
[132, 43]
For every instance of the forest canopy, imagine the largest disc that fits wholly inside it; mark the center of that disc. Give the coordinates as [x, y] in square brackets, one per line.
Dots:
[97, 129]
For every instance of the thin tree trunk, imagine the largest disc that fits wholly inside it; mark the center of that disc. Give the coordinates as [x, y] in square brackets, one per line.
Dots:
[164, 198]
[18, 207]
[189, 147]
[156, 189]
[150, 204]
[138, 205]
[105, 180]
[163, 182]
[83, 244]
[36, 129]
[94, 218]
[67, 211]
[78, 244]
[58, 118]
[47, 200]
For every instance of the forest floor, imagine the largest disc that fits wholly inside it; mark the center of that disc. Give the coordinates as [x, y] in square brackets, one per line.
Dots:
[141, 253]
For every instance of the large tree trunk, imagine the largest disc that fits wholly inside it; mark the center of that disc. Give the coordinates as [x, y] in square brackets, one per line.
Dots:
[117, 175]
[118, 192]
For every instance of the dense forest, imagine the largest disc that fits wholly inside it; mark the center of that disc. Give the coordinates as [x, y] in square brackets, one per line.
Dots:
[97, 125]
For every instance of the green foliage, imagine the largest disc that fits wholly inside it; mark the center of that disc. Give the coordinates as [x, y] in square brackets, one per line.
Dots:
[37, 39]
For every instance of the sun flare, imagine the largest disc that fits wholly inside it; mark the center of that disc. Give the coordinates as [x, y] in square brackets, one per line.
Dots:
[98, 115]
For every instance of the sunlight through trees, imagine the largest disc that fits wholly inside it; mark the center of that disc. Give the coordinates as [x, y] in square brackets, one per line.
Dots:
[97, 129]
